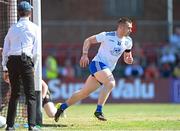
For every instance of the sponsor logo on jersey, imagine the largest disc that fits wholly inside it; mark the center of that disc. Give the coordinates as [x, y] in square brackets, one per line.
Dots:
[116, 51]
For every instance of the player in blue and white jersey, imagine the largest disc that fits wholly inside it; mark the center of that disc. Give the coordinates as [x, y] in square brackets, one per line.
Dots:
[112, 46]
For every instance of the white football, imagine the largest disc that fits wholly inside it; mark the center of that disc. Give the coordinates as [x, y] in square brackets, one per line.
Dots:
[2, 121]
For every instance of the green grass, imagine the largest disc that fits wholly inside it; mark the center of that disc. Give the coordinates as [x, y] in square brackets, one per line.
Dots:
[120, 117]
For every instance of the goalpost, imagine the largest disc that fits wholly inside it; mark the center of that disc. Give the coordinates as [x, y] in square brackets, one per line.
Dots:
[38, 71]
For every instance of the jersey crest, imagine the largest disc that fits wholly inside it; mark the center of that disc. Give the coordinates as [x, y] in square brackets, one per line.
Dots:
[118, 43]
[116, 51]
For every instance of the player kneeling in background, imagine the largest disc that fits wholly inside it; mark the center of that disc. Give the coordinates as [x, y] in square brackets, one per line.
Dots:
[48, 105]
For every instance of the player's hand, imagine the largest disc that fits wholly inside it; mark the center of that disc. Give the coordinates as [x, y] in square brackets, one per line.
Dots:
[128, 60]
[84, 61]
[6, 77]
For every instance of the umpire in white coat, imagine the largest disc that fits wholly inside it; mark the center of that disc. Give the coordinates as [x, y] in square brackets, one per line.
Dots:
[19, 56]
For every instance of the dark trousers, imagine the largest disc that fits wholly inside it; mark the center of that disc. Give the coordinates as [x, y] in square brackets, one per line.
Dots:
[21, 71]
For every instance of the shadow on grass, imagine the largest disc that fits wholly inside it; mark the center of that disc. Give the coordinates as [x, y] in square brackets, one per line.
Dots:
[55, 125]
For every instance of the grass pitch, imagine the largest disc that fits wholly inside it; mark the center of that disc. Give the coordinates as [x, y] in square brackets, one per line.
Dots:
[120, 117]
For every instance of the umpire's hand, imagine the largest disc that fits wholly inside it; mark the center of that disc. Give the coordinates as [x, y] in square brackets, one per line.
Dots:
[6, 77]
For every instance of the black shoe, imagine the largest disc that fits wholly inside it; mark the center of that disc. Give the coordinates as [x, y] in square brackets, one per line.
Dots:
[100, 116]
[33, 128]
[10, 128]
[58, 114]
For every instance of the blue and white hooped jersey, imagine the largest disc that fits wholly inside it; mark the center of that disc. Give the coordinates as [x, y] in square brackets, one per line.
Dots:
[111, 48]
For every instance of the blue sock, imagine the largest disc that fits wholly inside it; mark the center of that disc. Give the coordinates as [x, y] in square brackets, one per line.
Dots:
[64, 106]
[99, 108]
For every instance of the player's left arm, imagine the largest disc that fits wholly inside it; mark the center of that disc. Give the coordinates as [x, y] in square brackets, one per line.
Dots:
[84, 61]
[128, 58]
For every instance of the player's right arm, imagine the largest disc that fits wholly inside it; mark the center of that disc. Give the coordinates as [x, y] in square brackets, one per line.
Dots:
[84, 61]
[99, 38]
